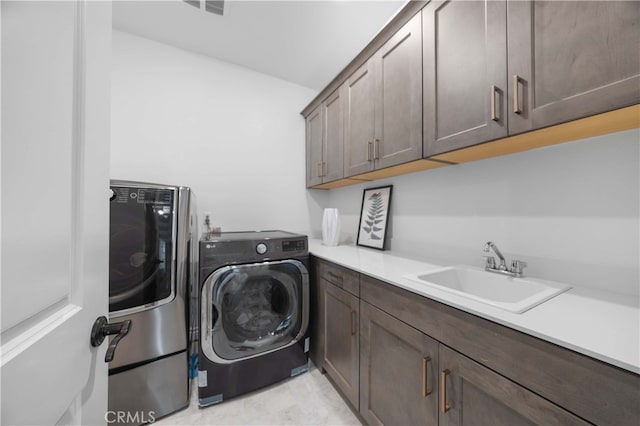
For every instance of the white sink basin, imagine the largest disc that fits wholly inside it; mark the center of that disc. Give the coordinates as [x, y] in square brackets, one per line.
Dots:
[512, 294]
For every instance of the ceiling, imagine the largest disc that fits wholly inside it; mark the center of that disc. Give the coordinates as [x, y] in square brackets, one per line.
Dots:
[302, 41]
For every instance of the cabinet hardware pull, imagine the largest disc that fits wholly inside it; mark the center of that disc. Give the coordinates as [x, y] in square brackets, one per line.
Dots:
[376, 149]
[353, 323]
[369, 151]
[444, 407]
[494, 92]
[425, 376]
[319, 169]
[516, 95]
[335, 276]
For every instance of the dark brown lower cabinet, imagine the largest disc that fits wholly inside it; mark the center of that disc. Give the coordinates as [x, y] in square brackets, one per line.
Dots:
[403, 359]
[408, 378]
[341, 345]
[471, 394]
[398, 371]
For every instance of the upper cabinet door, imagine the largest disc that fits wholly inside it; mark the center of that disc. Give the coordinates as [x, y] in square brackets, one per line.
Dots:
[314, 147]
[358, 151]
[570, 59]
[398, 91]
[465, 81]
[333, 127]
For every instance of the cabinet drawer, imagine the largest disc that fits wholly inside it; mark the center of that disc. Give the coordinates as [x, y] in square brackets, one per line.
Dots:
[340, 277]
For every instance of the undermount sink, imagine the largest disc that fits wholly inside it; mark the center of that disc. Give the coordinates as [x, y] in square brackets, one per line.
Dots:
[512, 294]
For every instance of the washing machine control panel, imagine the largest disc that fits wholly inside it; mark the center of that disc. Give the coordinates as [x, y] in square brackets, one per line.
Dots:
[294, 245]
[247, 247]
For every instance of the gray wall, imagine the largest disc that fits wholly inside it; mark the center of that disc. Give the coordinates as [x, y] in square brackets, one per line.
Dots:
[570, 210]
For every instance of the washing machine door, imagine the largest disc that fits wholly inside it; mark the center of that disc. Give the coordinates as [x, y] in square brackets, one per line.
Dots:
[251, 309]
[141, 248]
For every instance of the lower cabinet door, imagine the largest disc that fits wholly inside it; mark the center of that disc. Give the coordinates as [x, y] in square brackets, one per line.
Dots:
[341, 313]
[398, 371]
[471, 394]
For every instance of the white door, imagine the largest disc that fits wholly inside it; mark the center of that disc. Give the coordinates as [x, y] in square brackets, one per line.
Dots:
[55, 94]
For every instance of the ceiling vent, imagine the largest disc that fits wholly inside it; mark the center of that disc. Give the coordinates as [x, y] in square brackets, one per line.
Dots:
[212, 6]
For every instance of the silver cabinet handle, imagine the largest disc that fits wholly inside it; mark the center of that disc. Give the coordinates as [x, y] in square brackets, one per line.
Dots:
[319, 169]
[368, 151]
[494, 115]
[516, 95]
[376, 149]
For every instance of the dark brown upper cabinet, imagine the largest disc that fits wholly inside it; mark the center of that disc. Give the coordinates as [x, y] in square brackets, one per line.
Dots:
[384, 105]
[499, 68]
[571, 59]
[359, 122]
[314, 147]
[465, 73]
[325, 136]
[446, 75]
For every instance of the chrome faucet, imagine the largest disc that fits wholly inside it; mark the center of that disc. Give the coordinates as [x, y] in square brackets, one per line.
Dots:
[490, 265]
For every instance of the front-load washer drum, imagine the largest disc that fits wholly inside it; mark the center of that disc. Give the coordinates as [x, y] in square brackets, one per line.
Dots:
[141, 248]
[252, 309]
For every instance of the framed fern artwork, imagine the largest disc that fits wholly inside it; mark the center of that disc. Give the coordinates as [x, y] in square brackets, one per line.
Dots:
[374, 217]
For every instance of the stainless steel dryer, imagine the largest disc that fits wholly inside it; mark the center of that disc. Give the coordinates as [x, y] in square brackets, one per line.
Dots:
[254, 310]
[150, 269]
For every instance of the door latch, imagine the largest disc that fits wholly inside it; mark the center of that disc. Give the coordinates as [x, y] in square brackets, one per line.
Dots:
[101, 329]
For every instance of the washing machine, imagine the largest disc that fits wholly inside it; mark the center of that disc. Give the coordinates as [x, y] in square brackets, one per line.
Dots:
[151, 267]
[254, 312]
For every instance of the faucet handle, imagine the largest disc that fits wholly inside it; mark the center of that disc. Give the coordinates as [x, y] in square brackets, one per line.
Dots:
[517, 266]
[490, 262]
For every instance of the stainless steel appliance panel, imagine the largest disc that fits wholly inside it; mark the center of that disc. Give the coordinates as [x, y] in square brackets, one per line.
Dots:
[149, 376]
[151, 390]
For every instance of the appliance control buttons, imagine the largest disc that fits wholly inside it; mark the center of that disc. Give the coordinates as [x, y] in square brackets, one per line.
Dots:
[261, 248]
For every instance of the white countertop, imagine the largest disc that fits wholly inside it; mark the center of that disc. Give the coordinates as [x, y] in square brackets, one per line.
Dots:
[602, 325]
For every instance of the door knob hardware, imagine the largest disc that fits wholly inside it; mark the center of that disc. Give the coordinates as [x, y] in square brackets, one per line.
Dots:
[101, 329]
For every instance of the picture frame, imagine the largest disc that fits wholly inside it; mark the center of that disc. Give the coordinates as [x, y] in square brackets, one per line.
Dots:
[374, 217]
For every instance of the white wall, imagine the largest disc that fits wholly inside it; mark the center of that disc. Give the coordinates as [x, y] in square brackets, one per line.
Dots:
[233, 135]
[571, 211]
[236, 137]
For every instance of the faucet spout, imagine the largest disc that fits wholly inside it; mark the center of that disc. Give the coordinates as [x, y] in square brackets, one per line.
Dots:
[491, 246]
[516, 265]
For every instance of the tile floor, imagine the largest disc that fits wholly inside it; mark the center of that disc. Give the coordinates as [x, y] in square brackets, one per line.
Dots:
[308, 399]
